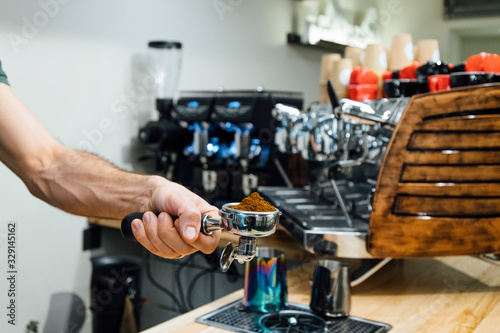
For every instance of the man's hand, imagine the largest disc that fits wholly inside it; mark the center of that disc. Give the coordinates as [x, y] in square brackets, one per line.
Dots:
[167, 238]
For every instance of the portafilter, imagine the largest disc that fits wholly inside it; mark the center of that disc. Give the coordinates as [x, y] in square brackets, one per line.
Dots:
[248, 225]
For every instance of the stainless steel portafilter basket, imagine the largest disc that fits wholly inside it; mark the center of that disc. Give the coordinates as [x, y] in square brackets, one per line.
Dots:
[248, 225]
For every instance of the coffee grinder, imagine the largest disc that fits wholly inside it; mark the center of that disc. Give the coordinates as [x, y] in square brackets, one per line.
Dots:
[164, 137]
[164, 66]
[201, 157]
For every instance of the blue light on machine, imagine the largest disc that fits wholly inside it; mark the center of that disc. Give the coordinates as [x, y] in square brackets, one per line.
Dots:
[234, 105]
[255, 141]
[230, 127]
[233, 149]
[213, 148]
[193, 104]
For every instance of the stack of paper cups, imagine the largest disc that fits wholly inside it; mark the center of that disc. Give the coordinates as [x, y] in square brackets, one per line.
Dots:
[355, 54]
[428, 50]
[375, 58]
[401, 52]
[341, 75]
[327, 61]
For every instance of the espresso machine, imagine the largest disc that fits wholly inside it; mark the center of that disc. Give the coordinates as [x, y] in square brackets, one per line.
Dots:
[192, 112]
[251, 158]
[344, 148]
[394, 178]
[220, 144]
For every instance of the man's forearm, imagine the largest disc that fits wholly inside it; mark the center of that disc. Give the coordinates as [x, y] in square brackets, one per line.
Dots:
[84, 184]
[75, 181]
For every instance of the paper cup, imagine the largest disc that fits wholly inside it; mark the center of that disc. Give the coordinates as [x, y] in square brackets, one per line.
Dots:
[375, 58]
[355, 54]
[327, 61]
[341, 74]
[401, 51]
[428, 50]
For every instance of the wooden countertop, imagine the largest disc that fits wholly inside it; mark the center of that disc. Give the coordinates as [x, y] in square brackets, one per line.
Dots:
[452, 294]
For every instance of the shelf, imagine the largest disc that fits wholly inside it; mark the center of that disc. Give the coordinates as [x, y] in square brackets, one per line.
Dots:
[294, 39]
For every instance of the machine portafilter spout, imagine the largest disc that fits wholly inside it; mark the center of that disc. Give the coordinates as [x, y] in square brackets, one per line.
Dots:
[248, 225]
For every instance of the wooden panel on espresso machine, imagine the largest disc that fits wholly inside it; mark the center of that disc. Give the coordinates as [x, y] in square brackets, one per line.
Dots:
[438, 190]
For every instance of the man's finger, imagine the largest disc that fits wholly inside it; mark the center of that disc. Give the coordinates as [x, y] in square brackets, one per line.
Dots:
[151, 226]
[168, 233]
[189, 221]
[207, 244]
[141, 236]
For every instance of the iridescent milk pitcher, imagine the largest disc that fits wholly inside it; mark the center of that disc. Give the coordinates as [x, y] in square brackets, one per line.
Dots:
[265, 281]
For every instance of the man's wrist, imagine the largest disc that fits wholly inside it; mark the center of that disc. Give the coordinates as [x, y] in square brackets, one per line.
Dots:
[153, 186]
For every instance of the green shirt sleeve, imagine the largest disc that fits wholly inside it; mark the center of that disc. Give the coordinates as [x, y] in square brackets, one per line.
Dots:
[3, 76]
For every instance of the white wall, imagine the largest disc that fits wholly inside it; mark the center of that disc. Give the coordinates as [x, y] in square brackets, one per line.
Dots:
[423, 19]
[475, 44]
[74, 68]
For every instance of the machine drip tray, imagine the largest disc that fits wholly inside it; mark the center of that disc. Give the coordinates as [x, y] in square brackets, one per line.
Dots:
[234, 317]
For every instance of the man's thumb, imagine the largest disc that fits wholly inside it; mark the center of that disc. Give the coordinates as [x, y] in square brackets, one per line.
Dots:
[190, 233]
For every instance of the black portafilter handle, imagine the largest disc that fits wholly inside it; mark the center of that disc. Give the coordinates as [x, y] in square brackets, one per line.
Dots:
[208, 225]
[126, 227]
[333, 96]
